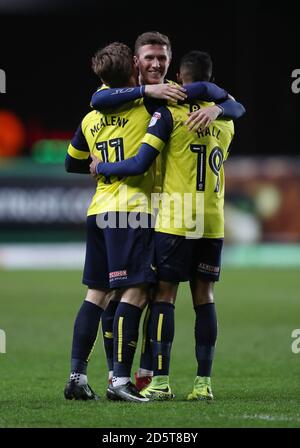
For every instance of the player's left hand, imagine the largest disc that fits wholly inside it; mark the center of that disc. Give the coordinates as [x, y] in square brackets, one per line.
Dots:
[94, 164]
[202, 118]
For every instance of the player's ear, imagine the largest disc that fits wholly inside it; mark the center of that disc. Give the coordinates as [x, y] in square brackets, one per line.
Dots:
[135, 61]
[135, 72]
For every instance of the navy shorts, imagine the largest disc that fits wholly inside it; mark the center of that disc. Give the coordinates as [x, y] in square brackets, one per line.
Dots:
[179, 259]
[118, 257]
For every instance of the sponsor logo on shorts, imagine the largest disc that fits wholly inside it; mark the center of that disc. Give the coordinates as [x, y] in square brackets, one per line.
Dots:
[118, 275]
[207, 268]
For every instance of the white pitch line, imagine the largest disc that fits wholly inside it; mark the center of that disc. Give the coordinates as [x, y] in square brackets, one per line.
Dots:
[280, 418]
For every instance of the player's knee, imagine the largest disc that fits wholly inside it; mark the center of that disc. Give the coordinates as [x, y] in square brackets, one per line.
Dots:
[166, 299]
[203, 293]
[166, 292]
[98, 297]
[114, 295]
[143, 301]
[137, 296]
[203, 299]
[139, 302]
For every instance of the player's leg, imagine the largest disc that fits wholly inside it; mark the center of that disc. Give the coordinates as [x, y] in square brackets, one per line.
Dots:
[173, 255]
[144, 374]
[84, 337]
[205, 336]
[202, 289]
[107, 320]
[162, 335]
[88, 317]
[131, 259]
[126, 328]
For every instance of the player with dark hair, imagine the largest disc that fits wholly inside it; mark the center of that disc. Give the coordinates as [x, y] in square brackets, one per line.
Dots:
[193, 164]
[195, 65]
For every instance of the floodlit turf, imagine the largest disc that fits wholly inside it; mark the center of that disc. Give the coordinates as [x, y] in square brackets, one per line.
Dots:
[255, 378]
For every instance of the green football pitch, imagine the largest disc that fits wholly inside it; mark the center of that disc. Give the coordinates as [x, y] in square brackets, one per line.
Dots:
[255, 377]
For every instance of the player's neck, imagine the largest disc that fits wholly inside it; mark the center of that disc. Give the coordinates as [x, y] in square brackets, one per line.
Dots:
[132, 82]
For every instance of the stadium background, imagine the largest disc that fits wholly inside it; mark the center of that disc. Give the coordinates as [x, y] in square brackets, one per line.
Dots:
[46, 49]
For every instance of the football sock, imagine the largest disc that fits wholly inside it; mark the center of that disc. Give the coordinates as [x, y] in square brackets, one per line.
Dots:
[79, 378]
[107, 320]
[162, 335]
[126, 329]
[146, 352]
[84, 335]
[205, 335]
[144, 372]
[120, 380]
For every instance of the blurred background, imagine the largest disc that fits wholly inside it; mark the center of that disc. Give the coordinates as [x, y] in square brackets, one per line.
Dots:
[46, 85]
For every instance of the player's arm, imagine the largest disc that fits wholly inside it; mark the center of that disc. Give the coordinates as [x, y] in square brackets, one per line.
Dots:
[231, 109]
[226, 106]
[158, 133]
[106, 97]
[130, 167]
[205, 91]
[112, 98]
[78, 156]
[202, 118]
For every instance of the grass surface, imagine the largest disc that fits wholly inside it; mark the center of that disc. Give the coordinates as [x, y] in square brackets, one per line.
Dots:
[255, 377]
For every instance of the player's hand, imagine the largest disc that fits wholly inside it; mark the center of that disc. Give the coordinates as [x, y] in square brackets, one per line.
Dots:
[94, 164]
[202, 118]
[169, 92]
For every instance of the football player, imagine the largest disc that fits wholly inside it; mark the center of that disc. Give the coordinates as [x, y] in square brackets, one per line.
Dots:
[188, 248]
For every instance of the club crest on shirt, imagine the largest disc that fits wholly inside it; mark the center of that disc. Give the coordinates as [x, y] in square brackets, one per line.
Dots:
[156, 116]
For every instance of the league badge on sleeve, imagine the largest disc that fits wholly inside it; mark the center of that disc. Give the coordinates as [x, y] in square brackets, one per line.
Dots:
[156, 116]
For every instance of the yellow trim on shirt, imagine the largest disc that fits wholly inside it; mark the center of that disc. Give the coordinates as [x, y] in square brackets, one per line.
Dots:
[77, 153]
[154, 141]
